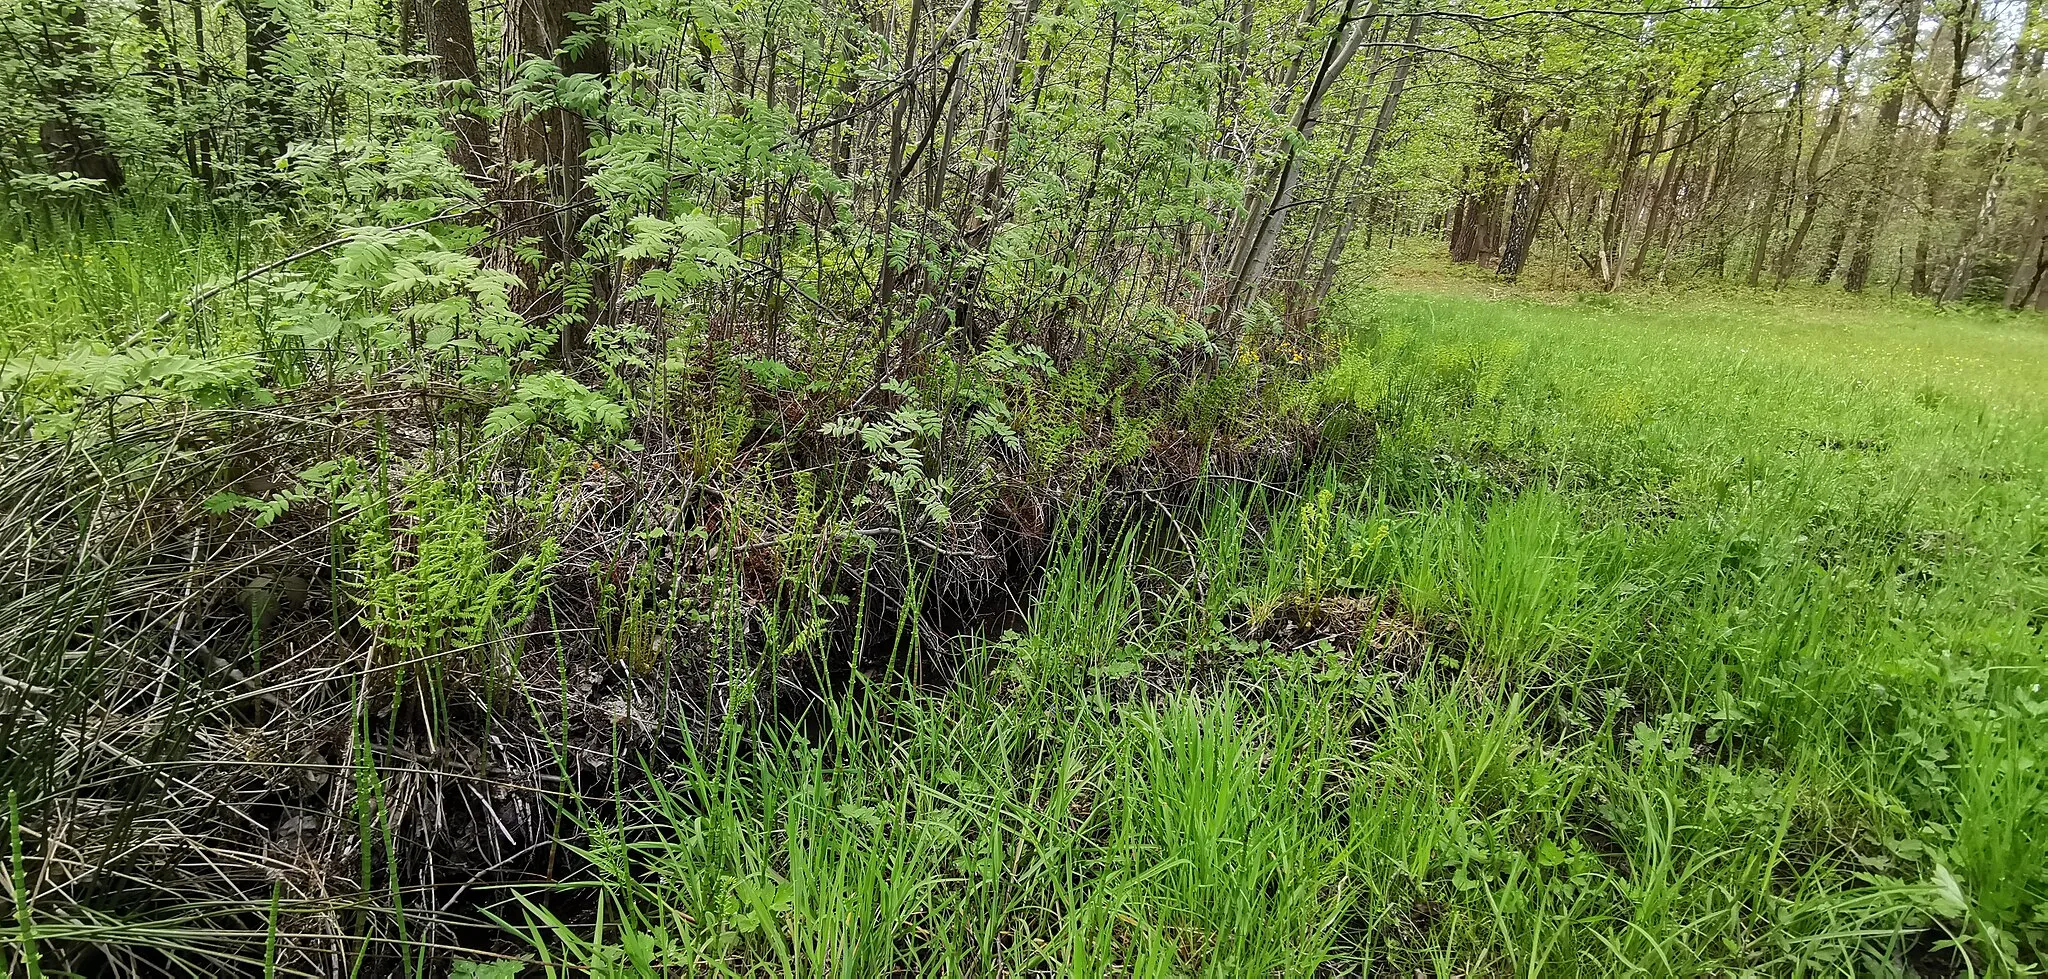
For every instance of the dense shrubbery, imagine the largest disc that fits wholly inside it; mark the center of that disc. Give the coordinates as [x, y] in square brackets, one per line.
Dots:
[438, 565]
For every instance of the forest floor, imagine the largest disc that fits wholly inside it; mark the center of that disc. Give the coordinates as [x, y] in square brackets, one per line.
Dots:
[1668, 634]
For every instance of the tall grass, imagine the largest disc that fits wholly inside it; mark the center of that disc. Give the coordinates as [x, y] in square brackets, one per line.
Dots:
[1646, 641]
[1731, 660]
[106, 276]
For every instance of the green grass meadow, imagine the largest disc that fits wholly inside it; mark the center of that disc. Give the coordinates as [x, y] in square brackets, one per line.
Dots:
[1692, 636]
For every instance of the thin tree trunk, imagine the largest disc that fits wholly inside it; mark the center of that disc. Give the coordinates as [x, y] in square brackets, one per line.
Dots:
[1609, 267]
[1768, 223]
[1831, 258]
[2026, 274]
[2019, 92]
[1529, 205]
[271, 124]
[1331, 207]
[1897, 79]
[899, 135]
[989, 208]
[70, 139]
[1936, 163]
[1660, 199]
[1261, 234]
[1809, 205]
[1710, 194]
[1361, 194]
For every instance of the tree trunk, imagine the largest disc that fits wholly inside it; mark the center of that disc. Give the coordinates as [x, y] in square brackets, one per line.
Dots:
[1710, 193]
[1475, 226]
[1768, 224]
[1944, 124]
[1660, 197]
[1527, 212]
[70, 139]
[1609, 260]
[543, 199]
[271, 123]
[941, 115]
[1331, 206]
[2027, 273]
[1476, 221]
[989, 205]
[1831, 258]
[1261, 233]
[899, 136]
[1383, 124]
[1897, 79]
[451, 45]
[2018, 94]
[1809, 205]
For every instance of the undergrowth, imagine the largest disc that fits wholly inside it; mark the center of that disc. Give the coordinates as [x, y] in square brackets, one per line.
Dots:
[350, 633]
[1628, 652]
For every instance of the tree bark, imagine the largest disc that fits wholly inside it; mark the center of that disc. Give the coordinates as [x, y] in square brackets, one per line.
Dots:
[1810, 201]
[1660, 196]
[1767, 226]
[451, 45]
[1611, 229]
[271, 124]
[1383, 124]
[70, 139]
[1898, 78]
[1256, 249]
[543, 199]
[1944, 123]
[1831, 258]
[899, 135]
[2027, 273]
[2018, 97]
[1331, 206]
[1527, 213]
[989, 206]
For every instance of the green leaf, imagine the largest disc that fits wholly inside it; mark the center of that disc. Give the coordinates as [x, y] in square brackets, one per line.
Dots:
[498, 969]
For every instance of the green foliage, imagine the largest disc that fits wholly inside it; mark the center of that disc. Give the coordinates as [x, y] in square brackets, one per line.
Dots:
[406, 297]
[896, 445]
[139, 375]
[557, 401]
[427, 581]
[1356, 379]
[1634, 634]
[1588, 691]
